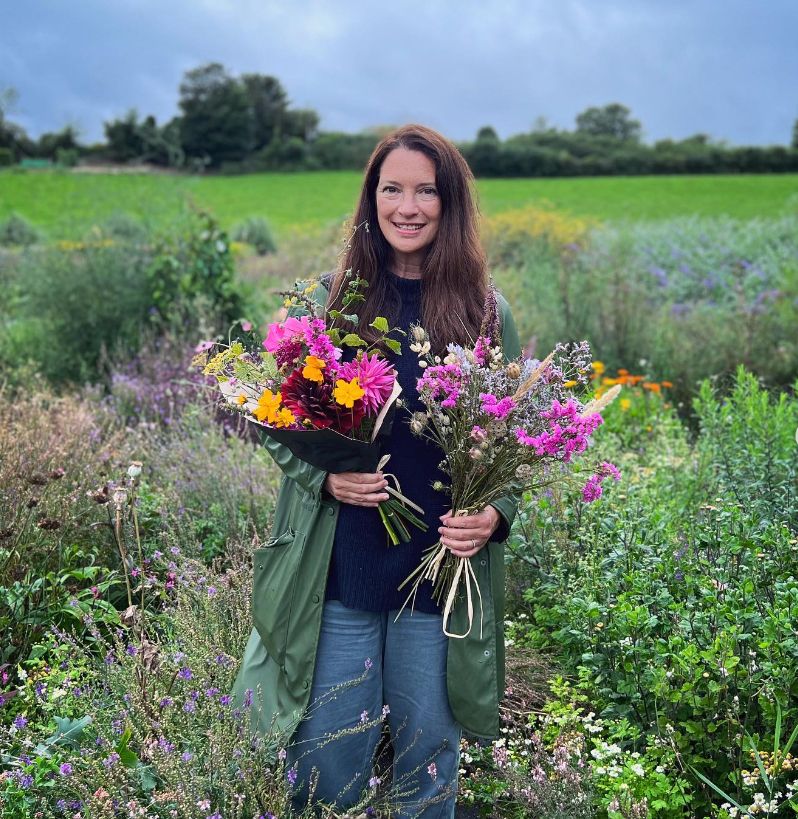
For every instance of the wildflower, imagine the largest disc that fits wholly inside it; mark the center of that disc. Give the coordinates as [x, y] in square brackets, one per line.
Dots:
[225, 699]
[66, 769]
[346, 393]
[211, 591]
[134, 470]
[248, 698]
[374, 781]
[625, 404]
[364, 716]
[204, 804]
[474, 453]
[291, 776]
[187, 756]
[313, 368]
[386, 709]
[268, 405]
[185, 673]
[282, 754]
[368, 663]
[242, 399]
[432, 770]
[111, 760]
[20, 721]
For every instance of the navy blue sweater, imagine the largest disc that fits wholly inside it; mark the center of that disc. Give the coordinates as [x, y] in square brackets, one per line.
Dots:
[366, 569]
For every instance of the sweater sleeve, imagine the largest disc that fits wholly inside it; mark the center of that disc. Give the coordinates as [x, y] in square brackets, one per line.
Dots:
[507, 505]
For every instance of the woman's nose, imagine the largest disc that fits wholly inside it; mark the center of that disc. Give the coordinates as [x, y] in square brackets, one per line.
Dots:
[408, 204]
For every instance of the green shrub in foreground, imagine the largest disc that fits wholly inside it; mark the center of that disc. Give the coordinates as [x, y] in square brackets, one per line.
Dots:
[16, 230]
[674, 605]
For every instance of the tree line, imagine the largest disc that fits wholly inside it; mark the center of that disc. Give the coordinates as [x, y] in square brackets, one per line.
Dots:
[246, 123]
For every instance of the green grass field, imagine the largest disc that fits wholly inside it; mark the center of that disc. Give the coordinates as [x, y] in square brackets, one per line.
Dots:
[66, 205]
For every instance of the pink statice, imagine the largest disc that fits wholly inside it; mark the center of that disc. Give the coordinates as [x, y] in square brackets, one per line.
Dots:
[498, 408]
[568, 431]
[375, 375]
[592, 490]
[444, 381]
[482, 350]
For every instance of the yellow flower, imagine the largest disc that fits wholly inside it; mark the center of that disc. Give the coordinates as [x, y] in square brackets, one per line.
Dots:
[285, 418]
[268, 405]
[347, 393]
[569, 384]
[598, 367]
[242, 399]
[313, 367]
[626, 403]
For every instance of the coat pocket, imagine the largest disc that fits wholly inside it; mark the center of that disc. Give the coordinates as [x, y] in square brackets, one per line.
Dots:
[275, 573]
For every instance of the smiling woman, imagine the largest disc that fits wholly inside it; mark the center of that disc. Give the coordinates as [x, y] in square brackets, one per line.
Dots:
[339, 648]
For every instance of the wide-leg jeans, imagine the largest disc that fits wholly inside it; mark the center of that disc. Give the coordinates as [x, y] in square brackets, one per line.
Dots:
[369, 666]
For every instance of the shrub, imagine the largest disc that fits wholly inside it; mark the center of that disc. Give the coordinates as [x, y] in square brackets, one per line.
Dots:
[256, 231]
[124, 227]
[673, 609]
[76, 300]
[16, 230]
[6, 157]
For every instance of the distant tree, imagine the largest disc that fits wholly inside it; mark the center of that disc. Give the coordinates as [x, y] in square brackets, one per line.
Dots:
[794, 143]
[487, 133]
[124, 137]
[613, 120]
[268, 104]
[50, 144]
[302, 123]
[217, 123]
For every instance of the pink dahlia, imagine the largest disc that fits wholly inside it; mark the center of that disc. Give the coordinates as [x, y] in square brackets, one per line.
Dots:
[375, 375]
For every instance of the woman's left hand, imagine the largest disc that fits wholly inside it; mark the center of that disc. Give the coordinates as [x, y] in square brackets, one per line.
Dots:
[467, 534]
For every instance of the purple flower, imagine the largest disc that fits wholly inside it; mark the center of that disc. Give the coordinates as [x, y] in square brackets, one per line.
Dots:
[190, 706]
[187, 756]
[185, 673]
[24, 780]
[368, 663]
[132, 650]
[248, 698]
[432, 770]
[291, 776]
[592, 489]
[111, 760]
[225, 699]
[211, 591]
[66, 769]
[20, 721]
[364, 716]
[165, 702]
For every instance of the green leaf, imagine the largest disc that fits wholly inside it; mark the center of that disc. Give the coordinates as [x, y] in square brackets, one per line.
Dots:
[353, 340]
[129, 758]
[147, 777]
[392, 344]
[352, 318]
[380, 323]
[68, 731]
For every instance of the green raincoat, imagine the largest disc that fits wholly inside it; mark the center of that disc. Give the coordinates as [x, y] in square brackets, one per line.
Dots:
[290, 575]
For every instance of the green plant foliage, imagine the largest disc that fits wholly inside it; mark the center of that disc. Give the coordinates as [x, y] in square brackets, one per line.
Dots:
[674, 605]
[16, 230]
[256, 231]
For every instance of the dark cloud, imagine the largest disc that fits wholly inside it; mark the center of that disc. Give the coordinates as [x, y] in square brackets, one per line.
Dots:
[727, 68]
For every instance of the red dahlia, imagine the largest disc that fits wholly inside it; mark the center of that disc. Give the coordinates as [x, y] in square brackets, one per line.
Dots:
[311, 401]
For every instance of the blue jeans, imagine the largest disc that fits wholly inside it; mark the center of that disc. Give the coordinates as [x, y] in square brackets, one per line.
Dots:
[366, 661]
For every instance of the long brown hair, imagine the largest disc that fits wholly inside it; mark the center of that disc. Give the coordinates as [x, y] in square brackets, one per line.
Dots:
[454, 279]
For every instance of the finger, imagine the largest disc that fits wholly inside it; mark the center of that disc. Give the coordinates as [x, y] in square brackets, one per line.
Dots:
[468, 550]
[357, 487]
[364, 499]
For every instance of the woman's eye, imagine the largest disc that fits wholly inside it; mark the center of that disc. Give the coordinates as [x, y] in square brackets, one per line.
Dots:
[428, 193]
[390, 189]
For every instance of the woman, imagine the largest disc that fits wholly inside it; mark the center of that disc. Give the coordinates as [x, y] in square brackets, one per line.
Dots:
[325, 594]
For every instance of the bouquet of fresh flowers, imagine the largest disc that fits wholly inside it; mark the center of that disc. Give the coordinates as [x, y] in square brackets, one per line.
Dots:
[328, 408]
[503, 428]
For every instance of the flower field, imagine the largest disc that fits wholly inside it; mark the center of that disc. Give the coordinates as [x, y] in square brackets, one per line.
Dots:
[652, 650]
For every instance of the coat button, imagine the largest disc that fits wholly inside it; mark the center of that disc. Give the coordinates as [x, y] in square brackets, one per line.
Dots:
[306, 684]
[487, 652]
[331, 511]
[483, 562]
[315, 598]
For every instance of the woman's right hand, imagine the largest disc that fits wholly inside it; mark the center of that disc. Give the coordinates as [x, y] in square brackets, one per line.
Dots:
[357, 488]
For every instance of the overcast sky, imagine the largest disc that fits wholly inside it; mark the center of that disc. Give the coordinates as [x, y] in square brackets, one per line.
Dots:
[728, 68]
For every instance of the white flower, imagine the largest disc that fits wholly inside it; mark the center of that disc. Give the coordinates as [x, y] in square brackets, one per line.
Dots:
[638, 769]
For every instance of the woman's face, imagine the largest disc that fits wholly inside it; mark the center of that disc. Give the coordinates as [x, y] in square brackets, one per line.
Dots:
[408, 205]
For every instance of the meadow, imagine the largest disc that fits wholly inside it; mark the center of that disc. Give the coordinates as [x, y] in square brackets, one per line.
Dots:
[652, 656]
[64, 205]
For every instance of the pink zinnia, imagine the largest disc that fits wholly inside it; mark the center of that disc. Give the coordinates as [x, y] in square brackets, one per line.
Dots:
[375, 375]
